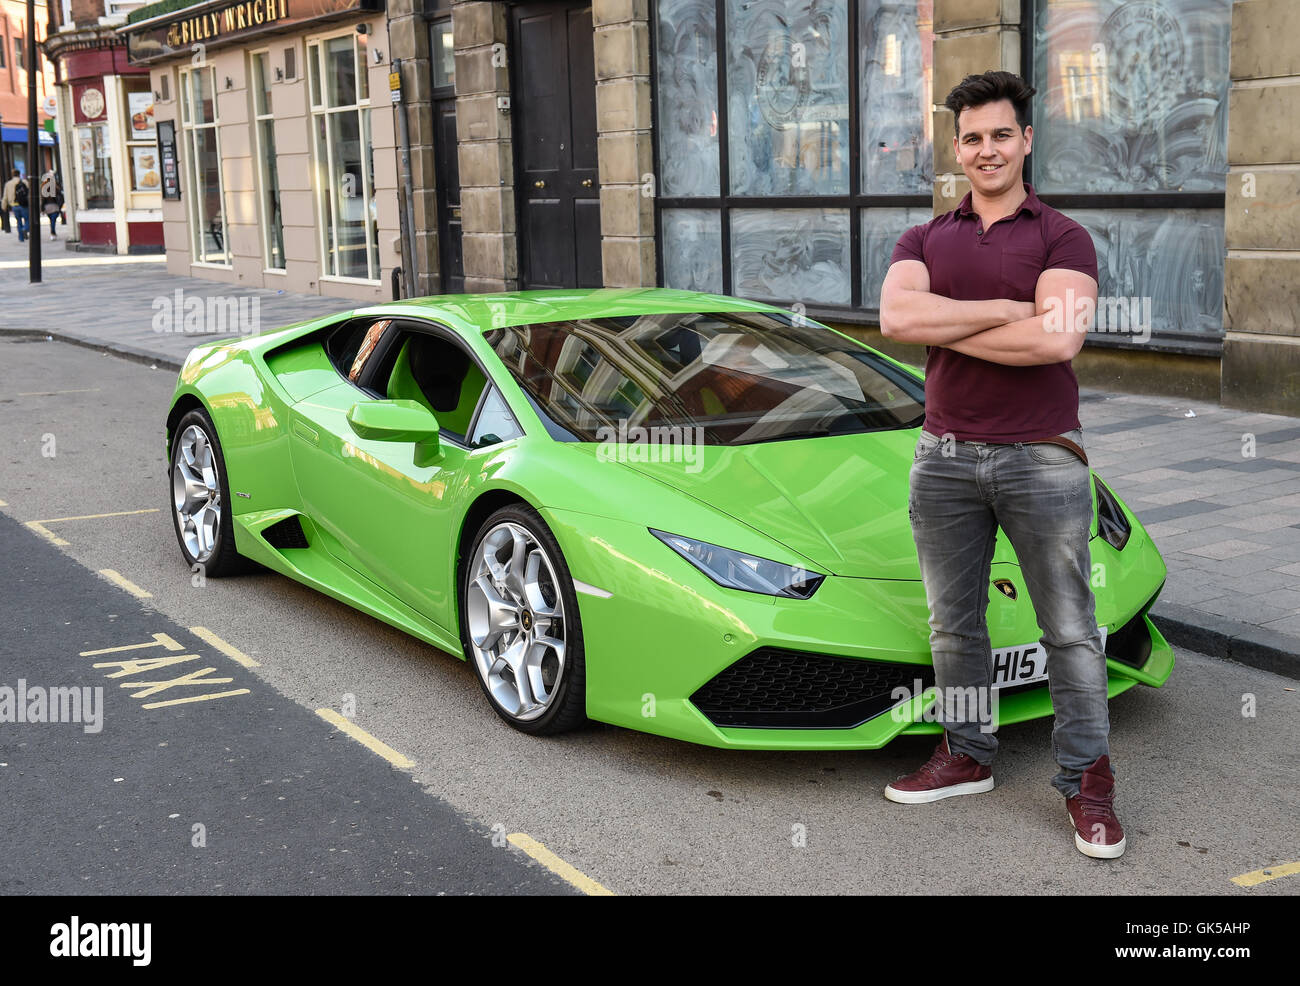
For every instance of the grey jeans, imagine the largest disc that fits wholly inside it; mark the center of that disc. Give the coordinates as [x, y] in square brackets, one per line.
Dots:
[1039, 494]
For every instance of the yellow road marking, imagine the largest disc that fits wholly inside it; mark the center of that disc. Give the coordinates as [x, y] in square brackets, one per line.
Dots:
[558, 866]
[125, 583]
[365, 739]
[194, 698]
[159, 640]
[1256, 877]
[232, 652]
[56, 393]
[3, 504]
[39, 525]
[86, 261]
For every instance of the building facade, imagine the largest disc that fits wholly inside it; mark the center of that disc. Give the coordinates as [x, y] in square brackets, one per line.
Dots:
[776, 149]
[13, 90]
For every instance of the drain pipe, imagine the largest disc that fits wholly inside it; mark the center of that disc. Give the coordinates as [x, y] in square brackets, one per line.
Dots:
[411, 267]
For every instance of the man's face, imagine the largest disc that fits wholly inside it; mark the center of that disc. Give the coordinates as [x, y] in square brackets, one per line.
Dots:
[991, 147]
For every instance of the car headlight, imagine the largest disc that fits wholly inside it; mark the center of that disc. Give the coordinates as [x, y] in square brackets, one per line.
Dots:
[1112, 526]
[737, 570]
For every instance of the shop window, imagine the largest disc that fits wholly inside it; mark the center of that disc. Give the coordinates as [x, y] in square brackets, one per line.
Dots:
[96, 166]
[763, 115]
[268, 172]
[344, 159]
[202, 146]
[141, 136]
[1130, 139]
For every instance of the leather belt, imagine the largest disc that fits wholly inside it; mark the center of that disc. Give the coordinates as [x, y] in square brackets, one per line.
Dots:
[1065, 443]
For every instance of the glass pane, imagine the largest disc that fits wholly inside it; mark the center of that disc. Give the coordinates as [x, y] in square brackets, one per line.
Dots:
[363, 67]
[324, 184]
[495, 422]
[313, 72]
[791, 255]
[896, 74]
[688, 97]
[205, 109]
[692, 249]
[211, 231]
[96, 170]
[350, 189]
[372, 216]
[787, 97]
[341, 71]
[881, 229]
[262, 83]
[444, 62]
[1165, 268]
[1132, 95]
[271, 198]
[183, 97]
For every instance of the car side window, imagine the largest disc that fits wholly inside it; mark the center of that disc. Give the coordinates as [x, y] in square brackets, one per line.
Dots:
[495, 422]
[437, 373]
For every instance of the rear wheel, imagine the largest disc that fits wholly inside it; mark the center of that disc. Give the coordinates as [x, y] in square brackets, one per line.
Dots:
[200, 494]
[520, 626]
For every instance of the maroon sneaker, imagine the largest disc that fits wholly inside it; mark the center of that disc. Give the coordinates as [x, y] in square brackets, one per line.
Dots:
[1097, 832]
[944, 775]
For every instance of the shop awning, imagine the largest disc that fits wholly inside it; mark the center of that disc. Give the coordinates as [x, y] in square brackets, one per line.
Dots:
[18, 135]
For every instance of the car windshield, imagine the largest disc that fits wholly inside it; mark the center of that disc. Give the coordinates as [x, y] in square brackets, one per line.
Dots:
[738, 377]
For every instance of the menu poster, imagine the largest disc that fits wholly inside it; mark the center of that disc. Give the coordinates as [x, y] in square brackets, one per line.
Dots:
[144, 169]
[171, 178]
[86, 142]
[140, 107]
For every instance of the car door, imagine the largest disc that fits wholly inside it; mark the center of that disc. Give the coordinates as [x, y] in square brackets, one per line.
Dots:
[388, 506]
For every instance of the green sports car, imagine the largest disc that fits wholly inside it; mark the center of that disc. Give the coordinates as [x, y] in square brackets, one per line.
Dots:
[677, 512]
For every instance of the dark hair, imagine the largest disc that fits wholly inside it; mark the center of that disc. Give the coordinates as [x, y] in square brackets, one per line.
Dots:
[978, 90]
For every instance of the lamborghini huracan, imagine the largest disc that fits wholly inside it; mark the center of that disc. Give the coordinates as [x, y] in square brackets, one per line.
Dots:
[676, 512]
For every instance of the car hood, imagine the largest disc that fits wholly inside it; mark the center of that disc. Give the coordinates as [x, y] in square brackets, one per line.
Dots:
[839, 501]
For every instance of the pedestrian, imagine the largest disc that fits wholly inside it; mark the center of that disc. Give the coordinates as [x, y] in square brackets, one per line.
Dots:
[19, 199]
[51, 199]
[981, 287]
[7, 198]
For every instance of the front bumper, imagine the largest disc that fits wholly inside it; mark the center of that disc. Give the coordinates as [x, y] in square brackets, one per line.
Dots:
[665, 632]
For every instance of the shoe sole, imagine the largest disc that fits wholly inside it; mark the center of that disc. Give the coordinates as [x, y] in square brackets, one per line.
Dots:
[1094, 850]
[938, 794]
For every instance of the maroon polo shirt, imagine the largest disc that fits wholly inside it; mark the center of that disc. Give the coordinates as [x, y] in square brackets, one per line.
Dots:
[973, 399]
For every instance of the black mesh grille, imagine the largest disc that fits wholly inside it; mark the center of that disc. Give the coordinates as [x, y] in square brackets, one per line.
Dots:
[1131, 643]
[286, 533]
[780, 689]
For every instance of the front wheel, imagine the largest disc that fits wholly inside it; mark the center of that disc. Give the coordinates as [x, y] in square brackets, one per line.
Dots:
[200, 495]
[520, 625]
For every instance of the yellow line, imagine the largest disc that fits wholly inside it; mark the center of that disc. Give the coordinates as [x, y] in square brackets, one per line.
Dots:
[192, 698]
[558, 866]
[232, 652]
[125, 583]
[159, 640]
[39, 528]
[39, 525]
[3, 504]
[1263, 876]
[365, 739]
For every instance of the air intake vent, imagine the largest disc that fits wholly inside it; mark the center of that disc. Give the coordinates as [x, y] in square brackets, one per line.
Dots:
[286, 534]
[780, 689]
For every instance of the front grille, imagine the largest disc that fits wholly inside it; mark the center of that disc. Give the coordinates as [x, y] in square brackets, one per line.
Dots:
[780, 689]
[286, 533]
[1131, 643]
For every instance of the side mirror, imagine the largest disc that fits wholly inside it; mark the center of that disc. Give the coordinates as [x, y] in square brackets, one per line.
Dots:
[394, 421]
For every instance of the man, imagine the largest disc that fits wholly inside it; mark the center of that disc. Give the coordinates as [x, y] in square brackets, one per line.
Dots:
[18, 195]
[983, 287]
[7, 198]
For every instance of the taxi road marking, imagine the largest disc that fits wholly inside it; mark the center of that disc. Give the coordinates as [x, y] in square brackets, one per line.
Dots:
[556, 865]
[232, 652]
[365, 739]
[119, 579]
[39, 525]
[1256, 877]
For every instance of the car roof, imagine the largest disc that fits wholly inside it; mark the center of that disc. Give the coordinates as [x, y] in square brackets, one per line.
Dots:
[499, 310]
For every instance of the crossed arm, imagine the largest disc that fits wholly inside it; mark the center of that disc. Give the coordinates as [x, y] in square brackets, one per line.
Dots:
[1015, 333]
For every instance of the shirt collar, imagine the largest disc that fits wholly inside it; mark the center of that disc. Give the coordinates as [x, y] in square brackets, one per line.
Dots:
[1031, 204]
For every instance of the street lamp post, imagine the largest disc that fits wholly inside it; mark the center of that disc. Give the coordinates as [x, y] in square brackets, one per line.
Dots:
[33, 148]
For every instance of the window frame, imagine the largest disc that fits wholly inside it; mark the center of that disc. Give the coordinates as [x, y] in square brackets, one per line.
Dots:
[264, 161]
[189, 128]
[855, 202]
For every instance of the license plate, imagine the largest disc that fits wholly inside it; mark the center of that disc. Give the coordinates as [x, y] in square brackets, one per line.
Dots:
[1023, 664]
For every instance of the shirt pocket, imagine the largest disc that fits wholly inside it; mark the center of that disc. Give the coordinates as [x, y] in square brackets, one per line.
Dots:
[1020, 271]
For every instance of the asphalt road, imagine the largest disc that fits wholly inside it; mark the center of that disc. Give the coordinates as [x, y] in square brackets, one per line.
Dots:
[1205, 792]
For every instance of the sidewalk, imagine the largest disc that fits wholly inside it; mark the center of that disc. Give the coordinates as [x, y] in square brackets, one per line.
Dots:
[1218, 489]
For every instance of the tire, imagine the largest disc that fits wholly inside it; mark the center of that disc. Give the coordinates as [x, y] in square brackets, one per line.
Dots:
[512, 612]
[200, 498]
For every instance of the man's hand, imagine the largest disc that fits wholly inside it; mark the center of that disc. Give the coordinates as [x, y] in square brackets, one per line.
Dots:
[1065, 302]
[909, 312]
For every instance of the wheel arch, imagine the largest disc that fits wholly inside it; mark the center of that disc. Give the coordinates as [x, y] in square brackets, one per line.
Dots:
[182, 406]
